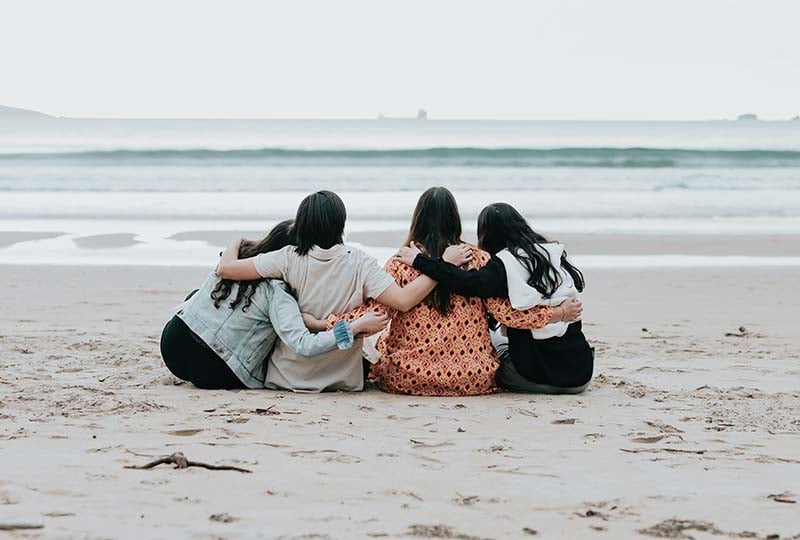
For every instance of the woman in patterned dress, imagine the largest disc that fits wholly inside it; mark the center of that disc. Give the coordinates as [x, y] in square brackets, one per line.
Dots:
[442, 347]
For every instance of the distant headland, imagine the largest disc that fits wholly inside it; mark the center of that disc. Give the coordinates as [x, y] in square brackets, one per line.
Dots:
[14, 113]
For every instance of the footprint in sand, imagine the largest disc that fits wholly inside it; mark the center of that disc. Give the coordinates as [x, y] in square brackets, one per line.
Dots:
[327, 455]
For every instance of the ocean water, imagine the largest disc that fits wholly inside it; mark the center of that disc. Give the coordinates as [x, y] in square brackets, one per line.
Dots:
[152, 179]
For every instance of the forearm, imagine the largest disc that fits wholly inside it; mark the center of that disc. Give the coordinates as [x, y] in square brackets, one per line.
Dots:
[232, 267]
[405, 298]
[354, 315]
[464, 282]
[288, 324]
[265, 265]
[530, 319]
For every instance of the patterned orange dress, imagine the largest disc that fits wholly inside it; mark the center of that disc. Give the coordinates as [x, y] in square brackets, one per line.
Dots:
[425, 353]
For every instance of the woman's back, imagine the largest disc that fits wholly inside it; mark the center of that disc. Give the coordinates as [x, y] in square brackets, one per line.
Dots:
[242, 336]
[426, 353]
[431, 354]
[336, 279]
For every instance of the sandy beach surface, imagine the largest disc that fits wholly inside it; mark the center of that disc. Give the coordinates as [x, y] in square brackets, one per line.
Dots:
[691, 427]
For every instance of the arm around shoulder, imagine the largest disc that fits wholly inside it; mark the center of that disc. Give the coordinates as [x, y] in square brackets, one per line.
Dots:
[265, 265]
[408, 289]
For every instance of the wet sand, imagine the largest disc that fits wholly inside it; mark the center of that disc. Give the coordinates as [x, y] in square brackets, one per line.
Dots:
[104, 241]
[774, 245]
[9, 238]
[690, 427]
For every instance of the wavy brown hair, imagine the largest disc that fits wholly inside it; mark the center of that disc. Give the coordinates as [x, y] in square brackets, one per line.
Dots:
[279, 237]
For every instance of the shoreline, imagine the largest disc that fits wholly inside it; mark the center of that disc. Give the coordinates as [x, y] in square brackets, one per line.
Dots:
[200, 248]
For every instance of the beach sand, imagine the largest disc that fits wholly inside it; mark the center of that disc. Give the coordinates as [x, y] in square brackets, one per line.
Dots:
[685, 431]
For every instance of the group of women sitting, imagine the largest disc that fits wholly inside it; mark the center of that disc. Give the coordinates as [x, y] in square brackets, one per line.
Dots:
[290, 311]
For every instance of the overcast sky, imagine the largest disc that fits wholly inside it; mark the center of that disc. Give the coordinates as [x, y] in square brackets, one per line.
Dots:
[591, 59]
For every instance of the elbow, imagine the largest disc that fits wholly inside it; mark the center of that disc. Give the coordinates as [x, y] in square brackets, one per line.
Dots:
[304, 352]
[300, 346]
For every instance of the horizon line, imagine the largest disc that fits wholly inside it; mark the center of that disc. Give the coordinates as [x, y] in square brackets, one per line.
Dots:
[382, 118]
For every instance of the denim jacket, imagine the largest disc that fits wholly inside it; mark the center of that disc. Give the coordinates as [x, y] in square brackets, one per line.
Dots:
[244, 339]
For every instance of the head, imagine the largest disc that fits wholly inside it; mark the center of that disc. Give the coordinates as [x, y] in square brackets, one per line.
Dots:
[279, 237]
[501, 226]
[319, 222]
[435, 225]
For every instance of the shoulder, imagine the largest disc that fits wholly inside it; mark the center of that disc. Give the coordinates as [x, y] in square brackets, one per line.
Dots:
[496, 264]
[363, 261]
[272, 285]
[395, 266]
[211, 280]
[288, 252]
[505, 257]
[480, 258]
[360, 255]
[275, 258]
[265, 289]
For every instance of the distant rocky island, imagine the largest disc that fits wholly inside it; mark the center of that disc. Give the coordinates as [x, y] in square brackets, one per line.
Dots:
[750, 117]
[422, 114]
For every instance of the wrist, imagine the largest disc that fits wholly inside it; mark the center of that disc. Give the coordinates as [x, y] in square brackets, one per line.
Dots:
[357, 326]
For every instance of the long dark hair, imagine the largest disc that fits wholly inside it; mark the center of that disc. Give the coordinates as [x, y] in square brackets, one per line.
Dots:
[500, 226]
[319, 221]
[435, 225]
[279, 237]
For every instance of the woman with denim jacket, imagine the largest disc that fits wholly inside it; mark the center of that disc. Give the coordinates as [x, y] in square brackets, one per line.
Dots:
[223, 334]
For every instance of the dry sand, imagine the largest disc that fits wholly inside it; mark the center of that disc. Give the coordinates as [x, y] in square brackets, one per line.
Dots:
[685, 432]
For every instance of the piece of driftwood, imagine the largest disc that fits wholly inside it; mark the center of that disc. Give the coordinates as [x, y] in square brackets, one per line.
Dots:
[785, 497]
[656, 450]
[179, 460]
[20, 526]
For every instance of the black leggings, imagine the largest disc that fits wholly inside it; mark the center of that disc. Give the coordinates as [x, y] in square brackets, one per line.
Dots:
[189, 359]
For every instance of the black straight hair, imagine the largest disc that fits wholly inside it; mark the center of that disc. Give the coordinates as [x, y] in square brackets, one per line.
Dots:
[500, 227]
[279, 237]
[319, 221]
[435, 225]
